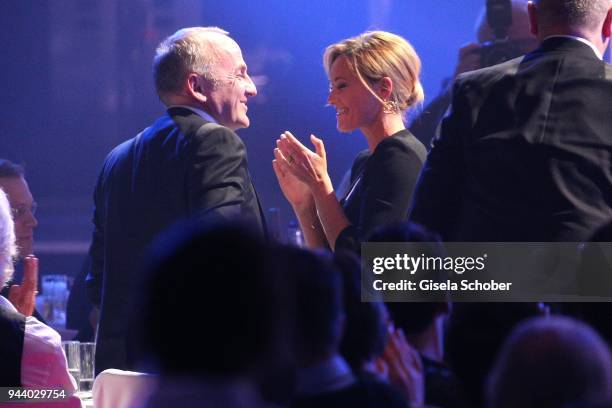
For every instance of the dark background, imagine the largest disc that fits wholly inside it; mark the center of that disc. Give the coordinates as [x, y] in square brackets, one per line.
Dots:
[76, 81]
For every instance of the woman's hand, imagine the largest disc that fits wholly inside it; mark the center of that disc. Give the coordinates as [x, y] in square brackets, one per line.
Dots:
[307, 166]
[297, 193]
[23, 296]
[321, 218]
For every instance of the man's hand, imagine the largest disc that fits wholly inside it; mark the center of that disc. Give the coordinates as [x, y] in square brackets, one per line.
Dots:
[401, 365]
[24, 297]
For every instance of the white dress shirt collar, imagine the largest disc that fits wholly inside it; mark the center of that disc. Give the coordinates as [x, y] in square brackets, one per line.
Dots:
[582, 40]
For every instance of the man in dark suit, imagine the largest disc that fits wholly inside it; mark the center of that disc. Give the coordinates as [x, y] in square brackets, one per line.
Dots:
[188, 163]
[525, 154]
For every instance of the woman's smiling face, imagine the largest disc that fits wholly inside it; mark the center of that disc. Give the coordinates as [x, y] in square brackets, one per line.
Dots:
[356, 106]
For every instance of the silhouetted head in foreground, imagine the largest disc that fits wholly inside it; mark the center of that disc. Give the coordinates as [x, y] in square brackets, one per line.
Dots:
[551, 362]
[215, 305]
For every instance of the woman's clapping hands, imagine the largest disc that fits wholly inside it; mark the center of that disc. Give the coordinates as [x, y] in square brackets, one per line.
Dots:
[307, 166]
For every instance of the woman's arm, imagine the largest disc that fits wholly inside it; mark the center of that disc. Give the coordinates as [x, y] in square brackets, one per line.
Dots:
[311, 227]
[299, 196]
[330, 212]
[311, 169]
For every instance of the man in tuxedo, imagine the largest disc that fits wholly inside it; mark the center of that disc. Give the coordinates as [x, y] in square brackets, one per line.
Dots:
[188, 164]
[524, 154]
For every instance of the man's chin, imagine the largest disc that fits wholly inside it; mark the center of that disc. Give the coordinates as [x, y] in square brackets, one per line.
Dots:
[242, 123]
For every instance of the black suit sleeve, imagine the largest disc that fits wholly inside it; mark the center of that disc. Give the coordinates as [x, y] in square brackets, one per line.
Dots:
[389, 180]
[217, 174]
[438, 195]
[96, 250]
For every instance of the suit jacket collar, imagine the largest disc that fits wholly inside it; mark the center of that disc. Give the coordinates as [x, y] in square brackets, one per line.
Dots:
[180, 110]
[564, 44]
[204, 115]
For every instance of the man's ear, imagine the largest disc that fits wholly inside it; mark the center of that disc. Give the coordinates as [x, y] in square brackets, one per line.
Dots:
[196, 85]
[386, 88]
[606, 30]
[533, 18]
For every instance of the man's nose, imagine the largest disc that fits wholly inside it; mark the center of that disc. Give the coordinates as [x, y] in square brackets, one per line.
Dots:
[251, 89]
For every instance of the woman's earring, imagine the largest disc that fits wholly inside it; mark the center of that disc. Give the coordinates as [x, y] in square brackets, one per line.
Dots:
[390, 107]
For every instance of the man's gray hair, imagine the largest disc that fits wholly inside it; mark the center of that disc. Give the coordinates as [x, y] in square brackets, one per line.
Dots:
[8, 249]
[188, 50]
[573, 13]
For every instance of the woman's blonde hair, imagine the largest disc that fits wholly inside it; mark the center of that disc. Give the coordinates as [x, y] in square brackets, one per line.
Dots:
[377, 54]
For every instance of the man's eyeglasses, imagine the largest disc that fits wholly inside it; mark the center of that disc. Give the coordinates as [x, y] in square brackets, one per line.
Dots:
[21, 210]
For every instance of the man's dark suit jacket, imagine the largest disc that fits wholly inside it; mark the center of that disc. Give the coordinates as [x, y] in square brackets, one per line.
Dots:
[180, 167]
[526, 152]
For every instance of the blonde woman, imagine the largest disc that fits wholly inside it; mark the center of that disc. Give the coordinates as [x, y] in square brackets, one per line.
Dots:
[374, 80]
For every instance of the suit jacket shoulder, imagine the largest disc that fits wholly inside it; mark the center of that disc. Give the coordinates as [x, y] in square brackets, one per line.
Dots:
[489, 75]
[520, 156]
[218, 182]
[212, 134]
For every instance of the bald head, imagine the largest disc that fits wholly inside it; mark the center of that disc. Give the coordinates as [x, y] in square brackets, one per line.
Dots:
[551, 362]
[585, 17]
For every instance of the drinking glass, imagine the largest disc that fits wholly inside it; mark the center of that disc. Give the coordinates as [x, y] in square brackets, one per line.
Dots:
[72, 350]
[88, 351]
[55, 295]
